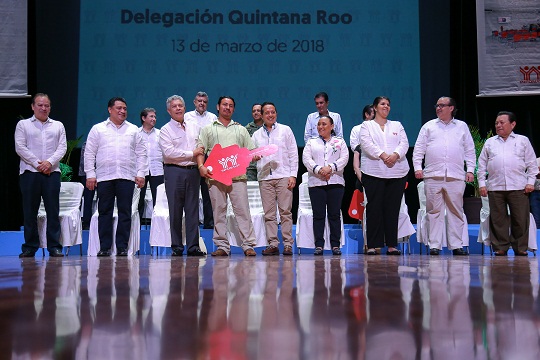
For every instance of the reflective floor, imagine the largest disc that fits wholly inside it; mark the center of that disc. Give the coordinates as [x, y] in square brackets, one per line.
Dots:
[301, 307]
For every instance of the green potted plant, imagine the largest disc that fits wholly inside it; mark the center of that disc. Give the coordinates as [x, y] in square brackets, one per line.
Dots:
[66, 170]
[473, 204]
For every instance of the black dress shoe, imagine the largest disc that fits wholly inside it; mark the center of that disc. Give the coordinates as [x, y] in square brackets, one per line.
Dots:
[27, 253]
[434, 251]
[56, 253]
[393, 252]
[196, 252]
[318, 251]
[103, 253]
[122, 252]
[177, 252]
[459, 252]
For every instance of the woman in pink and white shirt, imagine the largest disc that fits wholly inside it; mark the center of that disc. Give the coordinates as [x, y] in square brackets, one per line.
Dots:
[325, 156]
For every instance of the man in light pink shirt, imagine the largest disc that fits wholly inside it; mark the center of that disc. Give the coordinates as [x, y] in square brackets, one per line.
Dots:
[446, 146]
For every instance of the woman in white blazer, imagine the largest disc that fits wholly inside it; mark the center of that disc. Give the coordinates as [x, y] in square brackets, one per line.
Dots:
[384, 167]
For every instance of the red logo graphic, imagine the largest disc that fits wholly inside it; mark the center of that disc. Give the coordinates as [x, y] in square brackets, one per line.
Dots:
[526, 71]
[231, 161]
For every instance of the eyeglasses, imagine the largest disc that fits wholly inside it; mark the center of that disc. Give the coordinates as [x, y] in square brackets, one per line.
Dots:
[441, 106]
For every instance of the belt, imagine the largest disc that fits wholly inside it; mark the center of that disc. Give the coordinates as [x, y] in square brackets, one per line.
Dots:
[189, 167]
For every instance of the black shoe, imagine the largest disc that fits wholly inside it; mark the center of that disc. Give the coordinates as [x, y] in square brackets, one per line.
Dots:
[122, 252]
[27, 253]
[371, 251]
[393, 252]
[103, 253]
[459, 252]
[56, 253]
[196, 252]
[434, 251]
[177, 252]
[318, 251]
[336, 251]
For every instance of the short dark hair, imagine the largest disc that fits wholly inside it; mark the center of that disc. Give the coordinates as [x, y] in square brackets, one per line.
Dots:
[367, 109]
[453, 103]
[40, 95]
[144, 113]
[226, 97]
[511, 116]
[115, 99]
[331, 121]
[321, 94]
[267, 103]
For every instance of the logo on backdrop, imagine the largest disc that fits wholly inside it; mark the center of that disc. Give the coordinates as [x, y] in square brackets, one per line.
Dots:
[530, 71]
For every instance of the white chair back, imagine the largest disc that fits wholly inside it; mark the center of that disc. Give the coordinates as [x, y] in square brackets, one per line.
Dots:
[485, 203]
[303, 192]
[254, 197]
[421, 195]
[70, 196]
[162, 203]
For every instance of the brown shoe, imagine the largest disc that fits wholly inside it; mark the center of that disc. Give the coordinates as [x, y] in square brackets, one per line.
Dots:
[287, 250]
[521, 253]
[500, 253]
[251, 252]
[219, 252]
[270, 250]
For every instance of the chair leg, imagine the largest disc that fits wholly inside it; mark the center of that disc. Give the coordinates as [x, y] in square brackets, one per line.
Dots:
[80, 249]
[43, 251]
[67, 250]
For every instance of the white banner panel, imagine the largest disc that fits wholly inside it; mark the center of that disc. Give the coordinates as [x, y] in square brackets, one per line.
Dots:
[508, 33]
[13, 44]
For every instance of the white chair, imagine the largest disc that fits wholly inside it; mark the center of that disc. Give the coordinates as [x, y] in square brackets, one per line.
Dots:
[148, 203]
[484, 234]
[160, 231]
[257, 217]
[135, 233]
[421, 219]
[70, 216]
[405, 227]
[422, 225]
[304, 221]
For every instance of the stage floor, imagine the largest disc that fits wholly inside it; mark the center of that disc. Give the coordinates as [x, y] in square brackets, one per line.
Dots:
[299, 307]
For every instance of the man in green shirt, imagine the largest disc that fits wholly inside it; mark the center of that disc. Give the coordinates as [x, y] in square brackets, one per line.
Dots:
[225, 131]
[253, 126]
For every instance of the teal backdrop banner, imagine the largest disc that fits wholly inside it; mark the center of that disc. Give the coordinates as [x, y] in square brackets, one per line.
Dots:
[254, 51]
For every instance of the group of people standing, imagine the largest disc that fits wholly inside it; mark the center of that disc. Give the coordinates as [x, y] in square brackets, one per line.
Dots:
[119, 156]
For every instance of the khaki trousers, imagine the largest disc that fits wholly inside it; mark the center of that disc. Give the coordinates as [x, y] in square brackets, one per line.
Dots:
[275, 192]
[237, 193]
